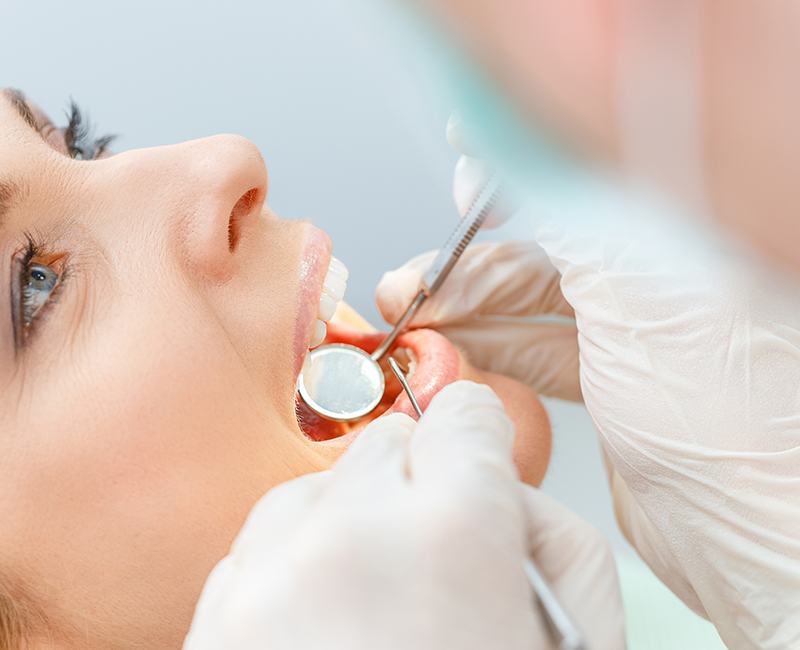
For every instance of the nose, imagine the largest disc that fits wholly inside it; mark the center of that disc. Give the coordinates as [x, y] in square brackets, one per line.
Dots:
[225, 184]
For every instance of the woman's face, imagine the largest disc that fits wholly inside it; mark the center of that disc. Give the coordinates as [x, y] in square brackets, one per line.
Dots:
[155, 316]
[148, 397]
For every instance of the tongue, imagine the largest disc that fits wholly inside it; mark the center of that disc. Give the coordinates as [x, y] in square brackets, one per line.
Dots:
[437, 364]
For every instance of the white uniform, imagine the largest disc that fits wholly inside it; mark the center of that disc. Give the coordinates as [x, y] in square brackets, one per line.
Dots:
[690, 369]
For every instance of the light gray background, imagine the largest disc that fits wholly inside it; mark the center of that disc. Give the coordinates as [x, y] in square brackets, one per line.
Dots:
[350, 123]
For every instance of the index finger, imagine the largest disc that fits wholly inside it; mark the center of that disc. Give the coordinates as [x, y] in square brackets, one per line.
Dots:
[464, 436]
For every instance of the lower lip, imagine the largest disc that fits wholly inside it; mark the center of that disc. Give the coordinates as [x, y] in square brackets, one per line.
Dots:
[314, 263]
[438, 364]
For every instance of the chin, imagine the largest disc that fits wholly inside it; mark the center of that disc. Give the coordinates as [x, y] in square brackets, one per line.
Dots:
[433, 363]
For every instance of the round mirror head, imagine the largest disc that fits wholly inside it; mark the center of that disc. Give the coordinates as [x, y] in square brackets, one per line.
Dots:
[341, 382]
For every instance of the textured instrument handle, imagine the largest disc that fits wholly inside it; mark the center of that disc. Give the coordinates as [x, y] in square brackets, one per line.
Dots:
[466, 229]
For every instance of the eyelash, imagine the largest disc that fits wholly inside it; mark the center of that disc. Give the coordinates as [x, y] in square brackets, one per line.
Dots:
[78, 136]
[81, 145]
[31, 250]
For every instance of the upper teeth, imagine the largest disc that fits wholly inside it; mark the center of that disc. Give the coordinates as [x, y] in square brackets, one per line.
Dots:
[333, 289]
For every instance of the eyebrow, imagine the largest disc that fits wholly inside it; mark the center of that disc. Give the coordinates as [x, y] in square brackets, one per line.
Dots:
[20, 104]
[11, 192]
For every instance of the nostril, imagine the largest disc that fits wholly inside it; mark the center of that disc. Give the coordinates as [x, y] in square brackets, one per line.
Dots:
[242, 208]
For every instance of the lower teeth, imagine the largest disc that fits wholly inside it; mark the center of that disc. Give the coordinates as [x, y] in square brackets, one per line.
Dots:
[408, 362]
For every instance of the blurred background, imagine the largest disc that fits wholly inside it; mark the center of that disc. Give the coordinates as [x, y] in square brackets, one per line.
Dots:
[351, 121]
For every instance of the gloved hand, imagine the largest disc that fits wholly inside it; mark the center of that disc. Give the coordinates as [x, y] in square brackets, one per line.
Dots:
[690, 369]
[503, 306]
[415, 539]
[471, 173]
[502, 303]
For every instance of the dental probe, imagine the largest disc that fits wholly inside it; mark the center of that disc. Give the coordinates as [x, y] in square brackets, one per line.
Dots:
[401, 377]
[343, 383]
[560, 626]
[562, 630]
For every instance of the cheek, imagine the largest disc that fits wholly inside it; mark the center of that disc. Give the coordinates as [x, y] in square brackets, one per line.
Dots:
[149, 453]
[175, 407]
[260, 310]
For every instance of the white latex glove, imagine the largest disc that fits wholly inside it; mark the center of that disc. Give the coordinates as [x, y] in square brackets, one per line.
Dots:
[502, 303]
[415, 539]
[690, 369]
[691, 373]
[470, 174]
[503, 306]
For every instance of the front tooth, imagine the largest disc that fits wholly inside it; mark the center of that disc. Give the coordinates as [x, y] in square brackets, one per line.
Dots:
[338, 267]
[334, 285]
[335, 280]
[320, 329]
[327, 306]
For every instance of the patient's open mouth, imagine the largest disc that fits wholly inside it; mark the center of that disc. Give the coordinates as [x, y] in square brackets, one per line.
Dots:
[432, 363]
[430, 359]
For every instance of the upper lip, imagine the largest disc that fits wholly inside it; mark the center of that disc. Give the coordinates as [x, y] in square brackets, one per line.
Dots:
[313, 267]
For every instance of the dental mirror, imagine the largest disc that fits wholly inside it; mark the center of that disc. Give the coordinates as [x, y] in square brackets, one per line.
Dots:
[343, 383]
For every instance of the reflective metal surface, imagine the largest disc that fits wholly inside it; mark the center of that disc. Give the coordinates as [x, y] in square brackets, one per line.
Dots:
[341, 382]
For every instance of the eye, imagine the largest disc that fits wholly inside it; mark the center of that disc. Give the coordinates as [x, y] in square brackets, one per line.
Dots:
[79, 153]
[79, 139]
[38, 283]
[38, 277]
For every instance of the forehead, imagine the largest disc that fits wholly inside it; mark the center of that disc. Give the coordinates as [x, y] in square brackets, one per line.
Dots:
[19, 130]
[25, 157]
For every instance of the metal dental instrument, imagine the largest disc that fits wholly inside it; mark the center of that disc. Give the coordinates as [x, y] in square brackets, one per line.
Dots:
[401, 377]
[342, 382]
[562, 630]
